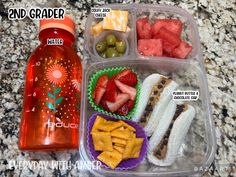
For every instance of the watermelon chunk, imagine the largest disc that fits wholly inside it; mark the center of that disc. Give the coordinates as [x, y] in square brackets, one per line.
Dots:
[143, 28]
[150, 47]
[172, 39]
[182, 50]
[173, 25]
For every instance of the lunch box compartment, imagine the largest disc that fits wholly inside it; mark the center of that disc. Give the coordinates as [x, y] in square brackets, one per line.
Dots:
[90, 39]
[189, 32]
[102, 37]
[197, 148]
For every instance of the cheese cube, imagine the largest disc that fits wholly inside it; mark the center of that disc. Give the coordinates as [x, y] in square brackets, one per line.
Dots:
[116, 20]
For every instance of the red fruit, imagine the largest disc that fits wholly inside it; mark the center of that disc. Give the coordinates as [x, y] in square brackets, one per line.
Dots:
[143, 28]
[101, 82]
[150, 47]
[182, 50]
[104, 105]
[126, 89]
[168, 36]
[129, 79]
[173, 25]
[124, 110]
[121, 99]
[123, 73]
[111, 90]
[168, 47]
[99, 92]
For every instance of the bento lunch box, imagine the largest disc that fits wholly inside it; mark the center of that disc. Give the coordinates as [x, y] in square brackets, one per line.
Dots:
[198, 148]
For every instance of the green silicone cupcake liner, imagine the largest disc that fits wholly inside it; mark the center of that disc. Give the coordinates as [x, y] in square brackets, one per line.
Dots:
[111, 72]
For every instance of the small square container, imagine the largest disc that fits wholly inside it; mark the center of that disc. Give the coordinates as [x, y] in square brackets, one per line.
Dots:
[189, 33]
[91, 40]
[198, 148]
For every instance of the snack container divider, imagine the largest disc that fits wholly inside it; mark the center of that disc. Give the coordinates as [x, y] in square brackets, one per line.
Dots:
[199, 146]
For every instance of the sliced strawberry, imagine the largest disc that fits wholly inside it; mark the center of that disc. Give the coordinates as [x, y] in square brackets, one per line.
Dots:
[182, 50]
[150, 47]
[123, 73]
[104, 105]
[101, 82]
[99, 92]
[111, 90]
[168, 36]
[124, 110]
[143, 28]
[126, 89]
[129, 79]
[121, 99]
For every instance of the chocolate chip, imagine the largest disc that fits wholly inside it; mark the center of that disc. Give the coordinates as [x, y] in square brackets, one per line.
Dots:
[165, 142]
[155, 92]
[143, 119]
[149, 108]
[163, 81]
[159, 86]
[151, 98]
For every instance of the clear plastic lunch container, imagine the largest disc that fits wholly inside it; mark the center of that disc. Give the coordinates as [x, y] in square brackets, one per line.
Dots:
[198, 149]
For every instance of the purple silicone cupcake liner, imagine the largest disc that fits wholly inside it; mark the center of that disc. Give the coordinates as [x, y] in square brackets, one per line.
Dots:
[125, 164]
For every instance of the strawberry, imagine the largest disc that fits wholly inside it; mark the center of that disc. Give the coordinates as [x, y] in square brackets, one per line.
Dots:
[111, 90]
[121, 99]
[104, 105]
[124, 110]
[129, 79]
[126, 89]
[123, 73]
[101, 82]
[99, 92]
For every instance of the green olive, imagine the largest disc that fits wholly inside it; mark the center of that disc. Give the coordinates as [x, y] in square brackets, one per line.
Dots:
[103, 54]
[101, 46]
[111, 40]
[111, 52]
[121, 46]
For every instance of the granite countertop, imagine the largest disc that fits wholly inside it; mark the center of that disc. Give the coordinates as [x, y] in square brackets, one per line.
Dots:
[217, 27]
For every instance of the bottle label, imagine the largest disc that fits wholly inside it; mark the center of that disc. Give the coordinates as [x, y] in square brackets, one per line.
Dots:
[55, 41]
[57, 93]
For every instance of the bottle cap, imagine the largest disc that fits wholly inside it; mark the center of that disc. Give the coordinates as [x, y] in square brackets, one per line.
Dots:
[67, 24]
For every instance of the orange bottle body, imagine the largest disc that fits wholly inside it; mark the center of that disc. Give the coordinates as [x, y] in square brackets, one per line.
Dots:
[50, 115]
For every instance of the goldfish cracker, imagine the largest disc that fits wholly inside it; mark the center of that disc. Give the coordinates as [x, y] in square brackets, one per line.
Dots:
[102, 141]
[111, 159]
[116, 20]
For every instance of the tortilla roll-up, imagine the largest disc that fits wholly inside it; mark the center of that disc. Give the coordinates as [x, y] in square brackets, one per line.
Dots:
[170, 133]
[156, 92]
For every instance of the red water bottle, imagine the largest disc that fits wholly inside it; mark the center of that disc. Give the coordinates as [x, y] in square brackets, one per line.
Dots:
[50, 115]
